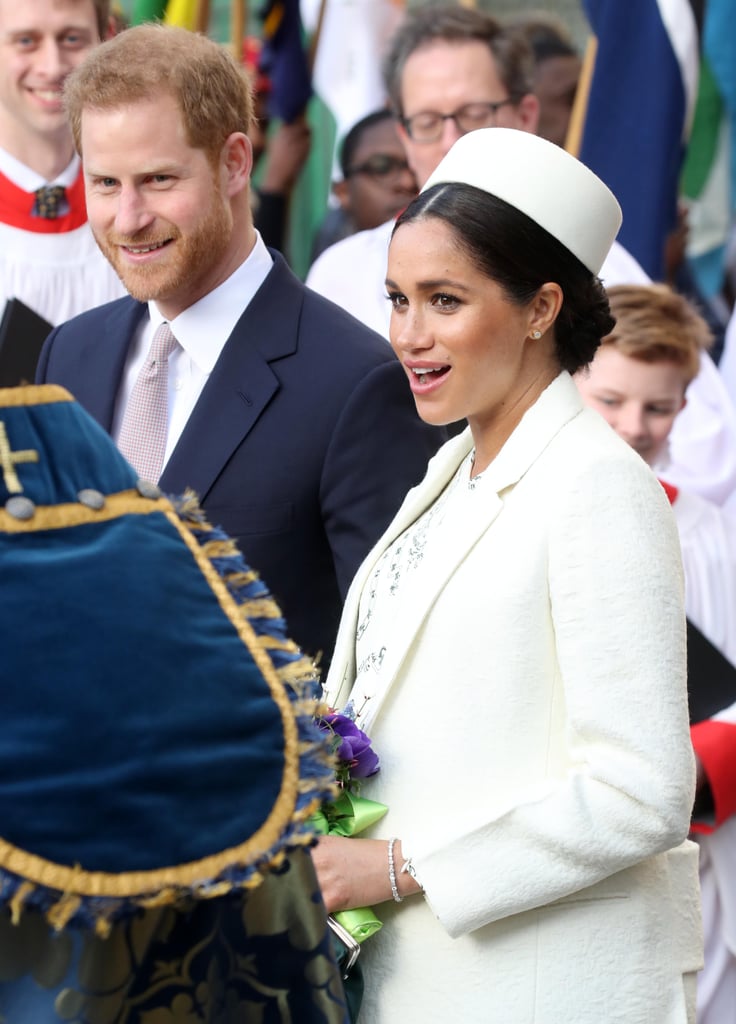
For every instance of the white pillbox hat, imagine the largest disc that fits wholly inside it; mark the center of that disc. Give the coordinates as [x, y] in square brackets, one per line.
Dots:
[541, 180]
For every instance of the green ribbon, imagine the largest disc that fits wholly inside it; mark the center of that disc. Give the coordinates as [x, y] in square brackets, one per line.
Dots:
[360, 922]
[347, 816]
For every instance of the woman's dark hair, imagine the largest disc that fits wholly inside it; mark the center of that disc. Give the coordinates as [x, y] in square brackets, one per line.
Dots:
[520, 256]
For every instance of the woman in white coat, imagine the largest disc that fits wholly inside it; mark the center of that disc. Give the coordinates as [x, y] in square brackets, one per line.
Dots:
[514, 644]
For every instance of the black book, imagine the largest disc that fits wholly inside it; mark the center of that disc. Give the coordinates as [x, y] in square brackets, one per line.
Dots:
[22, 334]
[711, 678]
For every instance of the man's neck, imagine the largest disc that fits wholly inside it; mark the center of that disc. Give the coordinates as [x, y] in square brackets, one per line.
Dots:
[47, 156]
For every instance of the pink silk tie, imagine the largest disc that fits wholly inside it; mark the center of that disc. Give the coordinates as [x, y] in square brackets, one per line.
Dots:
[142, 438]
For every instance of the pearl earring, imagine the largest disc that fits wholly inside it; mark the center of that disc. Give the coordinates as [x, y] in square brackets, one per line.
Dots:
[536, 335]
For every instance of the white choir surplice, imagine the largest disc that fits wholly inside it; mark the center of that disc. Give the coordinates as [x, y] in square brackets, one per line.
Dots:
[57, 274]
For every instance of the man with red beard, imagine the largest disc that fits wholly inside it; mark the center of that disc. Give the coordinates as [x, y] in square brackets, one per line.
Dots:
[292, 422]
[48, 258]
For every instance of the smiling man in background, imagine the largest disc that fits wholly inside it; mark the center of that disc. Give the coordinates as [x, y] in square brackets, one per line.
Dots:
[48, 258]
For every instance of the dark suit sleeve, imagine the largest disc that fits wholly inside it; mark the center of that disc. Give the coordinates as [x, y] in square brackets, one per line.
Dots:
[379, 450]
[86, 355]
[43, 359]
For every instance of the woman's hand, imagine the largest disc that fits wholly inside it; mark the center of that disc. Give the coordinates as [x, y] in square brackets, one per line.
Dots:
[354, 872]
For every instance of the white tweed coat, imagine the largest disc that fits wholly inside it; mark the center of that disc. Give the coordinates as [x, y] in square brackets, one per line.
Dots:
[534, 744]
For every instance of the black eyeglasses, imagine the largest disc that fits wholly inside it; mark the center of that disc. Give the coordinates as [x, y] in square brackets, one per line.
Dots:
[380, 165]
[427, 126]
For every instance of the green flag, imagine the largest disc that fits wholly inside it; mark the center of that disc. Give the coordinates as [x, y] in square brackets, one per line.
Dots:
[147, 10]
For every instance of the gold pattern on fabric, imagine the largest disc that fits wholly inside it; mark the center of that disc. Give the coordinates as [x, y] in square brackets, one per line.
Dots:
[163, 966]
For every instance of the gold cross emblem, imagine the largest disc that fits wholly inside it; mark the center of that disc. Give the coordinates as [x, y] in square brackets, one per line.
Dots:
[8, 460]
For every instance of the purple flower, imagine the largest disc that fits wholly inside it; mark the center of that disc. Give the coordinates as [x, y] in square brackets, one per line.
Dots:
[352, 746]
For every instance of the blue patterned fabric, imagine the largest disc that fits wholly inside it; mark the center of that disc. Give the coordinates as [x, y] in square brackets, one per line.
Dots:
[256, 958]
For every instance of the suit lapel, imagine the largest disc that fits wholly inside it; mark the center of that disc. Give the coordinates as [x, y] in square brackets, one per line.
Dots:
[103, 359]
[241, 385]
[239, 388]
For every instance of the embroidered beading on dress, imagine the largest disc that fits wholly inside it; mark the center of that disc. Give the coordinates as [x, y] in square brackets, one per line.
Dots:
[399, 569]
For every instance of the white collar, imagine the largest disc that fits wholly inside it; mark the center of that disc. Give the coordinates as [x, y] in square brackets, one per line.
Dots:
[203, 328]
[29, 180]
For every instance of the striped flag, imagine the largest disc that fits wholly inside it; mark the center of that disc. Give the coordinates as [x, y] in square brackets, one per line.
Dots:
[639, 113]
[347, 69]
[709, 178]
[284, 60]
[183, 14]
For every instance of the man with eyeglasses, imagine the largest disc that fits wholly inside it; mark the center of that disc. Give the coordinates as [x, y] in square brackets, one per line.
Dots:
[449, 70]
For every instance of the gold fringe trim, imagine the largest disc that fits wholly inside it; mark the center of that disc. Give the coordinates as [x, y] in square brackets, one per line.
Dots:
[62, 912]
[261, 608]
[273, 643]
[220, 548]
[242, 579]
[19, 898]
[159, 899]
[188, 505]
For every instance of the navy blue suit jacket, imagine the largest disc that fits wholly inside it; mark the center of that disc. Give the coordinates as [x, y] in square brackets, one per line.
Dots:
[302, 445]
